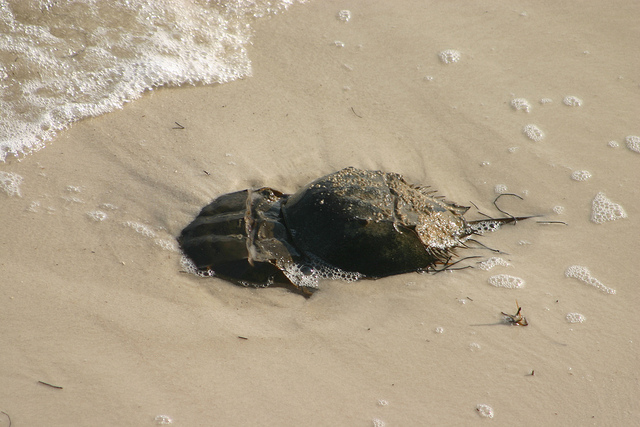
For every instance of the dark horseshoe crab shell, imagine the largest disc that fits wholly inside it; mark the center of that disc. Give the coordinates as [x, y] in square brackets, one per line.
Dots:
[352, 223]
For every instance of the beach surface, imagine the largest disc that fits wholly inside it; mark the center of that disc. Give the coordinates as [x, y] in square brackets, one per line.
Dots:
[94, 299]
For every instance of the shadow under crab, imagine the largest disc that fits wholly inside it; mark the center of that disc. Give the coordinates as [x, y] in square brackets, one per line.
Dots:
[353, 223]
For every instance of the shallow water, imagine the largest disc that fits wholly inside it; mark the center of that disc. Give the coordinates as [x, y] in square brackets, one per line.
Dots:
[101, 308]
[64, 61]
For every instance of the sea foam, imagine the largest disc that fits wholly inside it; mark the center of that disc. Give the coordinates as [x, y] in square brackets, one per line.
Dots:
[64, 61]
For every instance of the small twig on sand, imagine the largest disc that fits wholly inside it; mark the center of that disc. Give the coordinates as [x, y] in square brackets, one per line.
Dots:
[8, 417]
[51, 385]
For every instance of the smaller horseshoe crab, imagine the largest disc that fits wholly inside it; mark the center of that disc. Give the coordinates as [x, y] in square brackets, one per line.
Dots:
[350, 224]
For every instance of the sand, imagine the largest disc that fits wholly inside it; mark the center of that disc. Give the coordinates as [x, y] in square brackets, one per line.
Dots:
[103, 310]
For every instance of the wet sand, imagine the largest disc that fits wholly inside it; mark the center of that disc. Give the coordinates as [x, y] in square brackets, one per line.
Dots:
[102, 309]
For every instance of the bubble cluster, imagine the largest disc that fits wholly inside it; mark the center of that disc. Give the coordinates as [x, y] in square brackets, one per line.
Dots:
[493, 262]
[344, 15]
[108, 206]
[382, 402]
[485, 226]
[485, 411]
[449, 56]
[474, 346]
[506, 281]
[33, 206]
[167, 245]
[558, 209]
[584, 275]
[73, 199]
[533, 132]
[73, 189]
[309, 275]
[613, 144]
[575, 318]
[603, 210]
[140, 228]
[163, 420]
[10, 183]
[580, 175]
[521, 104]
[97, 215]
[572, 101]
[378, 423]
[439, 330]
[500, 189]
[302, 275]
[633, 143]
[546, 101]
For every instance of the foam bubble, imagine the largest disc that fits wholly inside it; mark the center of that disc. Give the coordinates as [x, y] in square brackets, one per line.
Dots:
[485, 411]
[546, 101]
[521, 104]
[378, 423]
[449, 56]
[73, 199]
[633, 143]
[309, 275]
[580, 175]
[141, 228]
[493, 262]
[603, 210]
[10, 183]
[572, 101]
[73, 189]
[108, 206]
[558, 209]
[533, 132]
[167, 245]
[500, 189]
[474, 346]
[575, 318]
[97, 215]
[34, 206]
[487, 226]
[584, 275]
[344, 15]
[439, 330]
[163, 420]
[506, 281]
[613, 144]
[382, 402]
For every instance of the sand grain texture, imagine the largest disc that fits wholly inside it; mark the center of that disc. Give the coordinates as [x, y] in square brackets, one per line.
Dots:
[104, 311]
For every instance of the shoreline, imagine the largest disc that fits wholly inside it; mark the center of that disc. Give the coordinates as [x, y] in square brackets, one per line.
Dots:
[101, 308]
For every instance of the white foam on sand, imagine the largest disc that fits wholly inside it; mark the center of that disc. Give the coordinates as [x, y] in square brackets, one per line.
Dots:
[10, 183]
[85, 58]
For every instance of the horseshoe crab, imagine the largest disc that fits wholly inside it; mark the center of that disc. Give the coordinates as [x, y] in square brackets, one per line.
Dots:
[350, 224]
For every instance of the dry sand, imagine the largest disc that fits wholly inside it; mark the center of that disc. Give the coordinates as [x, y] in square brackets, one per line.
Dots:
[101, 309]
